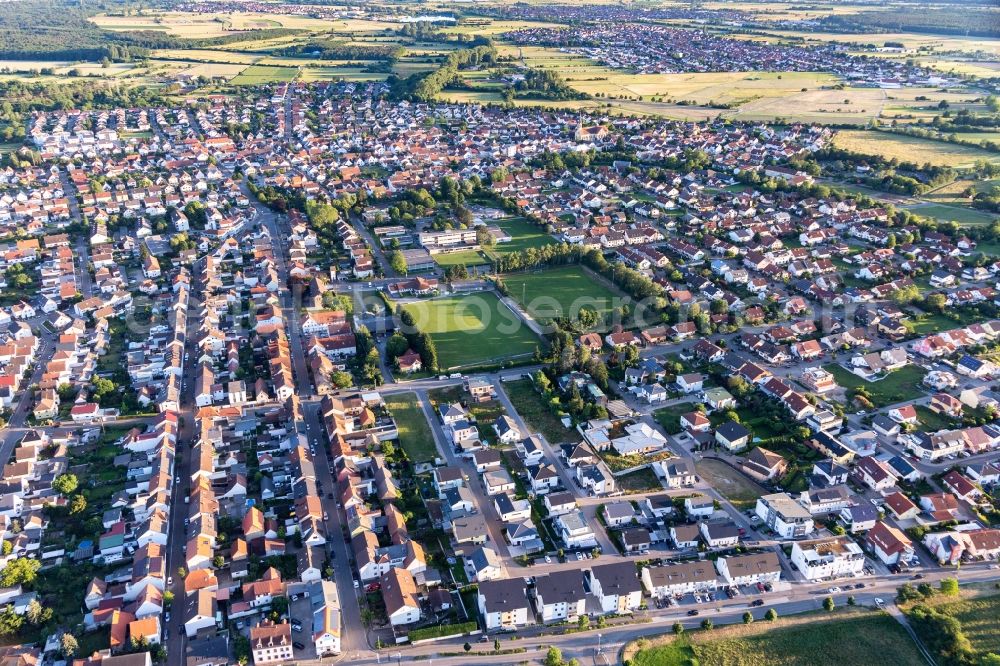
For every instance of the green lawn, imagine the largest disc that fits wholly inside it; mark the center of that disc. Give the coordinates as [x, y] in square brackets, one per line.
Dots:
[934, 322]
[898, 386]
[561, 292]
[473, 329]
[669, 418]
[523, 235]
[415, 434]
[933, 421]
[255, 75]
[461, 257]
[864, 638]
[528, 403]
[639, 481]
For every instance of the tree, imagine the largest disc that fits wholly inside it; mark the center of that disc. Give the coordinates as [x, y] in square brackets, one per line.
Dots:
[218, 561]
[78, 504]
[949, 587]
[678, 628]
[583, 622]
[34, 611]
[747, 617]
[707, 624]
[851, 601]
[397, 262]
[771, 615]
[467, 647]
[103, 387]
[10, 622]
[554, 657]
[936, 302]
[65, 484]
[342, 379]
[396, 345]
[496, 644]
[21, 571]
[7, 548]
[168, 598]
[828, 604]
[68, 645]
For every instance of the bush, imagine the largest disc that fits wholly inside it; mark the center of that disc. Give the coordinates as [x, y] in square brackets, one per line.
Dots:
[439, 630]
[943, 635]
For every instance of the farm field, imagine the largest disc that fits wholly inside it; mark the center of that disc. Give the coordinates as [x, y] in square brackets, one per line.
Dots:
[946, 213]
[910, 149]
[848, 637]
[333, 73]
[897, 386]
[259, 74]
[415, 434]
[473, 329]
[706, 88]
[206, 55]
[910, 40]
[182, 24]
[560, 292]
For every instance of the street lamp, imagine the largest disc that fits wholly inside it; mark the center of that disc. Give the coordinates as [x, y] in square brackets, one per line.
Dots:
[598, 643]
[399, 658]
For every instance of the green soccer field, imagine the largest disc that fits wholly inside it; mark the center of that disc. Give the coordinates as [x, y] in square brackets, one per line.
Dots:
[560, 292]
[472, 329]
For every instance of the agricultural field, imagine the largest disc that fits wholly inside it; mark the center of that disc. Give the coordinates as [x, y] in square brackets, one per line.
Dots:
[182, 24]
[324, 73]
[911, 41]
[473, 329]
[415, 434]
[561, 292]
[847, 637]
[910, 149]
[946, 213]
[256, 75]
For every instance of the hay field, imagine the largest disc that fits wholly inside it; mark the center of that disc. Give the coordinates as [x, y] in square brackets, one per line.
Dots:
[910, 149]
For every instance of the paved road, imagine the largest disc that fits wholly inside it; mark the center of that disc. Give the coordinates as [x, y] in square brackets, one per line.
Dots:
[353, 631]
[583, 645]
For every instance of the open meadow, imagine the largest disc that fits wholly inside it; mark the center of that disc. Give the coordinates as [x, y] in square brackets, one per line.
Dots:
[415, 434]
[853, 636]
